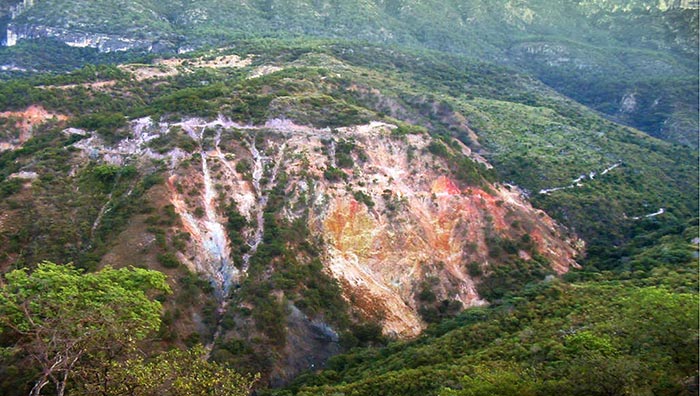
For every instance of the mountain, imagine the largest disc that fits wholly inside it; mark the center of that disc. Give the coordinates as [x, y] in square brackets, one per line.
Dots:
[634, 61]
[327, 195]
[437, 209]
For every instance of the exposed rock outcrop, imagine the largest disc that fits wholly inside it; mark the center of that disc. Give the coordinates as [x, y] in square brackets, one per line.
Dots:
[391, 220]
[73, 38]
[21, 125]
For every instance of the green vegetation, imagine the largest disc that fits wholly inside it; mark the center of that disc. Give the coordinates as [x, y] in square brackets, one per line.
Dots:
[597, 52]
[283, 274]
[343, 154]
[334, 174]
[587, 338]
[235, 224]
[69, 323]
[174, 373]
[536, 338]
[364, 198]
[80, 332]
[68, 228]
[168, 260]
[175, 139]
[51, 55]
[510, 272]
[103, 123]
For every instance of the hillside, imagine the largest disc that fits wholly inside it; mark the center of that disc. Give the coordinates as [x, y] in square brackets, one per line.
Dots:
[569, 339]
[634, 61]
[308, 197]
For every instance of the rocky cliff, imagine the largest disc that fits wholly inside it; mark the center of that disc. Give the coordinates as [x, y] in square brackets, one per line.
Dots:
[391, 220]
[391, 215]
[610, 47]
[72, 38]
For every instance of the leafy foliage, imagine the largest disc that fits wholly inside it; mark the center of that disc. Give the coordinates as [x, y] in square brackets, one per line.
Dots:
[597, 52]
[553, 338]
[174, 373]
[582, 339]
[63, 319]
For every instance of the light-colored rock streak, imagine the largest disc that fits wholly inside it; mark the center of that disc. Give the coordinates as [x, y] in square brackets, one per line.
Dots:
[608, 169]
[259, 162]
[209, 233]
[258, 167]
[331, 154]
[254, 242]
[419, 226]
[578, 182]
[20, 8]
[222, 157]
[103, 211]
[216, 241]
[650, 215]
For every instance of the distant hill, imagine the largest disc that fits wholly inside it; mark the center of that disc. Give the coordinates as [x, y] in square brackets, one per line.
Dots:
[635, 61]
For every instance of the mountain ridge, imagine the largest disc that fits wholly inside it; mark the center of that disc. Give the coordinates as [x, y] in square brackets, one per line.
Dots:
[306, 197]
[598, 45]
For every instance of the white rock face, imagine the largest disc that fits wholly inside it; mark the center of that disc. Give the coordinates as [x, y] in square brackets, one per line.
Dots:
[11, 38]
[26, 175]
[102, 42]
[628, 104]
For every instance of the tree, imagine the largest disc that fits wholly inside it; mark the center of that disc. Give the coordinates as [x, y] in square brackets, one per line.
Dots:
[497, 378]
[593, 374]
[175, 373]
[662, 326]
[62, 317]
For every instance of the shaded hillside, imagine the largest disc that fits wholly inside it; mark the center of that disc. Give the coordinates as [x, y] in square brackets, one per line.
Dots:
[634, 61]
[588, 338]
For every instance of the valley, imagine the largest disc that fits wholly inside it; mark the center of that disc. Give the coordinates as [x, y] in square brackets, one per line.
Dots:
[413, 214]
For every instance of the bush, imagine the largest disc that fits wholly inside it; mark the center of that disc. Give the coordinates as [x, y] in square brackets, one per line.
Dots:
[105, 124]
[474, 269]
[168, 260]
[364, 198]
[334, 174]
[438, 149]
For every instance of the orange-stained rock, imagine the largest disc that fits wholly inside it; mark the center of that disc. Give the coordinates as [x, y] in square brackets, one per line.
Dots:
[443, 185]
[432, 230]
[32, 116]
[25, 122]
[415, 223]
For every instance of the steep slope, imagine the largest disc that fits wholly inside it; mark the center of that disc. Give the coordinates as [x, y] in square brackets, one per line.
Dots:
[545, 341]
[303, 201]
[423, 230]
[412, 222]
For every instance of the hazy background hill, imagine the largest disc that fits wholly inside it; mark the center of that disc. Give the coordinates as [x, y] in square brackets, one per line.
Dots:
[635, 61]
